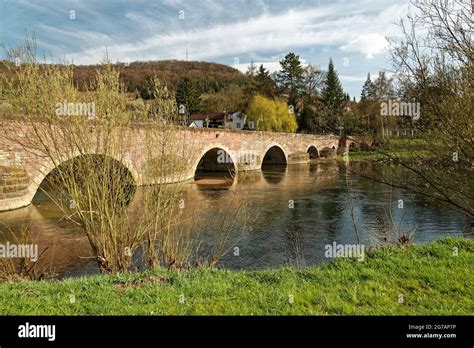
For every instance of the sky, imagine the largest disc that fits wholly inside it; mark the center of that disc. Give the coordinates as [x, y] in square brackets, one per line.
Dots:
[231, 32]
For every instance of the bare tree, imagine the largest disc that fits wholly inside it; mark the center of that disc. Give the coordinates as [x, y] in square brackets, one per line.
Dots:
[433, 65]
[90, 156]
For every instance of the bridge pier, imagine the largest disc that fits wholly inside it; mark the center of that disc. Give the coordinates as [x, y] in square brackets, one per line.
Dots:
[14, 183]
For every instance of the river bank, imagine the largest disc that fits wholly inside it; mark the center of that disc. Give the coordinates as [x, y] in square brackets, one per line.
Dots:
[393, 150]
[430, 279]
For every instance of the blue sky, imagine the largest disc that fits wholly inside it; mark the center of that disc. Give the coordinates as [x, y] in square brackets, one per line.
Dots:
[232, 32]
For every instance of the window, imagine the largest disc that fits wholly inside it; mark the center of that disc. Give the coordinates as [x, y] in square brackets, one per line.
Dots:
[238, 125]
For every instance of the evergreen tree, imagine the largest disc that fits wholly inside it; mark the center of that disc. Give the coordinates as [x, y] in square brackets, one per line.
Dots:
[310, 118]
[146, 90]
[368, 90]
[264, 83]
[187, 97]
[251, 69]
[333, 99]
[250, 87]
[262, 74]
[368, 108]
[290, 78]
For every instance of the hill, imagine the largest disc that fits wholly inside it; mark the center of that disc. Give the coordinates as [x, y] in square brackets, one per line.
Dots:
[209, 77]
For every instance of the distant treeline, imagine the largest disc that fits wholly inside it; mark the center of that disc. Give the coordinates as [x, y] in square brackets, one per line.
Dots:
[208, 77]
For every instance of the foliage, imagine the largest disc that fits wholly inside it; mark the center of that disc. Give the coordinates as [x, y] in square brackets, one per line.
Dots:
[264, 83]
[230, 99]
[368, 108]
[372, 95]
[164, 102]
[313, 82]
[368, 90]
[333, 100]
[310, 116]
[146, 90]
[257, 81]
[187, 97]
[271, 115]
[290, 78]
[210, 77]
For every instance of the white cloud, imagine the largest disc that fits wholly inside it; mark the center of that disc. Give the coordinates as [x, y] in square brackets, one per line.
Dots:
[325, 25]
[348, 78]
[368, 44]
[83, 35]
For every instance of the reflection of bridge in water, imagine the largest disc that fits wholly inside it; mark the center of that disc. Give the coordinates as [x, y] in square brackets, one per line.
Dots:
[68, 250]
[202, 150]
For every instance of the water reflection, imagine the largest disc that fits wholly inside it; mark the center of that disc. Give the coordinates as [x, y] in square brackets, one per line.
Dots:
[273, 174]
[298, 209]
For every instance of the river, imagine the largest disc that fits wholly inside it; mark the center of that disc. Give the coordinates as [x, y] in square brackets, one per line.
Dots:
[295, 212]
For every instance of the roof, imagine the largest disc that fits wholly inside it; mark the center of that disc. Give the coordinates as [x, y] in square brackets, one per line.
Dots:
[193, 124]
[208, 115]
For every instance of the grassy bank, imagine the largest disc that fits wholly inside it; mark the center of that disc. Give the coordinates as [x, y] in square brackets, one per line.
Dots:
[425, 279]
[402, 149]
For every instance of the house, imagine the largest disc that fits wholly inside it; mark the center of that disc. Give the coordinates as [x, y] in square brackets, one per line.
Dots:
[238, 120]
[208, 119]
[227, 120]
[196, 124]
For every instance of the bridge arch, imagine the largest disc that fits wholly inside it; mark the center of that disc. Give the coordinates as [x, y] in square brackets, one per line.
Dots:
[274, 154]
[48, 167]
[215, 158]
[313, 152]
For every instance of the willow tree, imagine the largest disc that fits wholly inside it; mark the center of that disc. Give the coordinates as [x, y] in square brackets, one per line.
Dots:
[271, 115]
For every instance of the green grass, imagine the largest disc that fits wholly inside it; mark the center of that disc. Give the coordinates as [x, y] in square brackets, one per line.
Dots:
[404, 155]
[431, 279]
[402, 149]
[405, 143]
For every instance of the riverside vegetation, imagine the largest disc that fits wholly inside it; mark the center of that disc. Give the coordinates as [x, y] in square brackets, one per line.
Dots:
[431, 279]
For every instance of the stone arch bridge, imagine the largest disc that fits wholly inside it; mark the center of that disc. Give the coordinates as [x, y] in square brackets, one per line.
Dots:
[22, 171]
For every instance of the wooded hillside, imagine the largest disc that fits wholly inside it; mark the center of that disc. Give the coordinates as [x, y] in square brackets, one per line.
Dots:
[208, 77]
